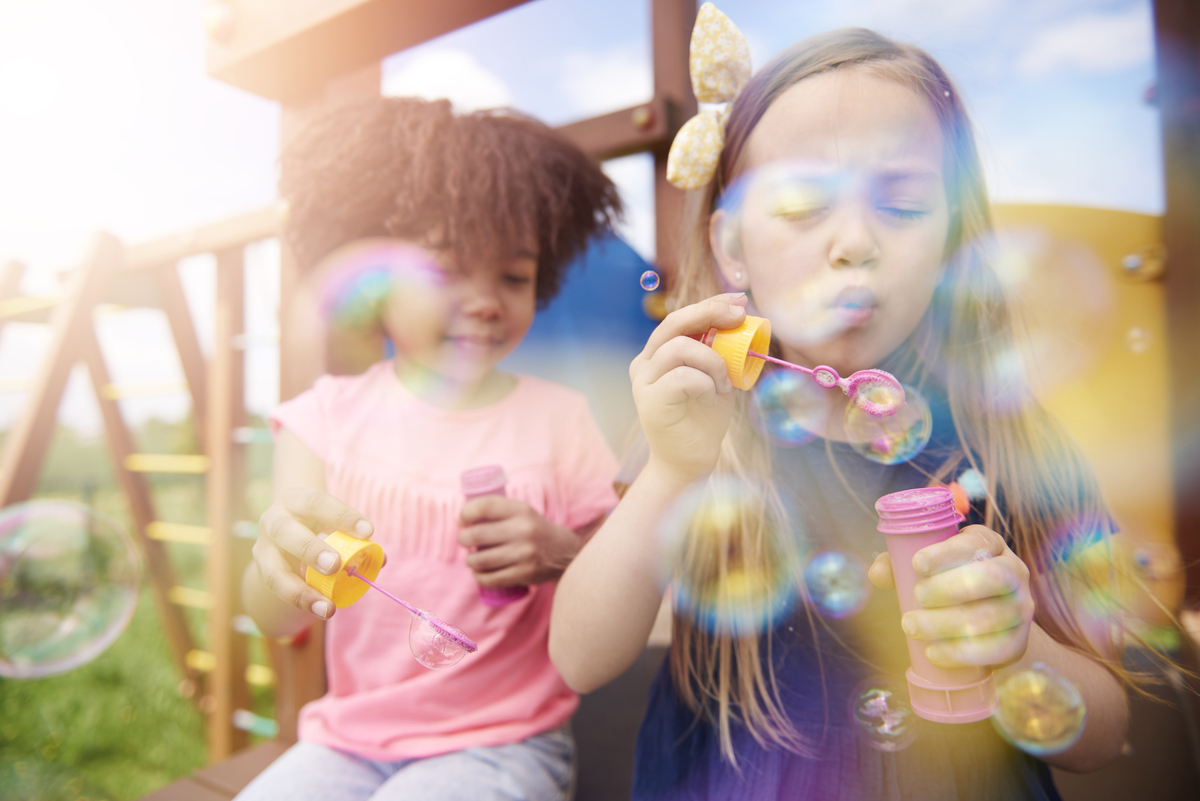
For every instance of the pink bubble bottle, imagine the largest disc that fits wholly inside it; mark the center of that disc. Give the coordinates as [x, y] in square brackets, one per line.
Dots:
[912, 520]
[490, 480]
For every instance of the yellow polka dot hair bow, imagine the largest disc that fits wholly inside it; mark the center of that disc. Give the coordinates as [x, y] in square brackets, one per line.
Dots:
[719, 62]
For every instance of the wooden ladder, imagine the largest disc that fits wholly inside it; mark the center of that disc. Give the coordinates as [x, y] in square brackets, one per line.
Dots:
[216, 678]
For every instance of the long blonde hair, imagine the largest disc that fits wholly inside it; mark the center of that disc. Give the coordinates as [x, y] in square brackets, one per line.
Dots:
[1050, 500]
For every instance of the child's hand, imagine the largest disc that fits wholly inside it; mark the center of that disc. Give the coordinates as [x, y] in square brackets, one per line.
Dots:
[978, 607]
[674, 370]
[286, 539]
[512, 544]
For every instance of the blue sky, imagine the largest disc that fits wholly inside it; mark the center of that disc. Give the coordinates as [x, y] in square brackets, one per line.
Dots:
[107, 120]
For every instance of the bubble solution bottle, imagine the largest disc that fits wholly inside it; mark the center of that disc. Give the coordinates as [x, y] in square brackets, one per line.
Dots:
[911, 520]
[490, 480]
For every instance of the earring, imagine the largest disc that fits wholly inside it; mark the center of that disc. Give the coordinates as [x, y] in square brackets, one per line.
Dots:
[737, 276]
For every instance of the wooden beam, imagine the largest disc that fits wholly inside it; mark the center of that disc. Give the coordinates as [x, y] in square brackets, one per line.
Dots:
[26, 443]
[620, 133]
[286, 49]
[227, 555]
[212, 238]
[159, 571]
[1177, 34]
[671, 29]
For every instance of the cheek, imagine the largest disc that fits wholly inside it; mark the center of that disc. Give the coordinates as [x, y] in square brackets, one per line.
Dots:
[418, 319]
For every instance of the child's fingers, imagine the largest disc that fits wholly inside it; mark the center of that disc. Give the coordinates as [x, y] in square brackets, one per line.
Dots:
[974, 619]
[320, 510]
[509, 576]
[971, 544]
[971, 582]
[280, 579]
[490, 507]
[880, 572]
[291, 536]
[489, 560]
[684, 352]
[986, 650]
[487, 535]
[719, 311]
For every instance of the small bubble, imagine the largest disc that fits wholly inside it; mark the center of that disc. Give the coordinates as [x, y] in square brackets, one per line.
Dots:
[837, 584]
[1137, 340]
[649, 280]
[882, 716]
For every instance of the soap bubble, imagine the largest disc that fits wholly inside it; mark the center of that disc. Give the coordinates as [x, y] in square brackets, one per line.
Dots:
[789, 408]
[1040, 711]
[359, 277]
[882, 716]
[836, 583]
[649, 280]
[432, 648]
[69, 580]
[894, 439]
[718, 580]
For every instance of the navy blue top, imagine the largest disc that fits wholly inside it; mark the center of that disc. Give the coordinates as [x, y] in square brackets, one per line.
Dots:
[817, 666]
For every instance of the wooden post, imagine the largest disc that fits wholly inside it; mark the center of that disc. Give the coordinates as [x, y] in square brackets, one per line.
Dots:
[226, 688]
[671, 29]
[141, 508]
[71, 323]
[1177, 33]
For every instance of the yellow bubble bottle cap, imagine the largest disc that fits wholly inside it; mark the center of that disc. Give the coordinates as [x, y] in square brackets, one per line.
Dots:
[735, 344]
[364, 555]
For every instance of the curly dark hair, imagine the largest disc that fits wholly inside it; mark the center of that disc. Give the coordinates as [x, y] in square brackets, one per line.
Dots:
[490, 183]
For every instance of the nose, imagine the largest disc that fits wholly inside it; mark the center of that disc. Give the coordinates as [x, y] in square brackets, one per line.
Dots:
[479, 295]
[854, 243]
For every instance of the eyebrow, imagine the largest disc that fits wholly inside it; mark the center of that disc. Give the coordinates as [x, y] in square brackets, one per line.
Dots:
[897, 176]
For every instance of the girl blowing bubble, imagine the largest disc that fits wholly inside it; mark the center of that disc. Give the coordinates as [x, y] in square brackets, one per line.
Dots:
[443, 232]
[847, 206]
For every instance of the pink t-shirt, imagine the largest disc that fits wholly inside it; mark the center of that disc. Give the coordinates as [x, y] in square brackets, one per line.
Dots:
[397, 460]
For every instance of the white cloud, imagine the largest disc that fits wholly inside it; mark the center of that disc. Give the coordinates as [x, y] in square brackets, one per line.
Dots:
[598, 82]
[446, 73]
[1092, 43]
[634, 177]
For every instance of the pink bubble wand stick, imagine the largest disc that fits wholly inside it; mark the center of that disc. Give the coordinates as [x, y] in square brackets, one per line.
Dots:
[452, 633]
[876, 392]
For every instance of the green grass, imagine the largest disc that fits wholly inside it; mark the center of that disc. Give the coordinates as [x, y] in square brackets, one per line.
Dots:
[117, 728]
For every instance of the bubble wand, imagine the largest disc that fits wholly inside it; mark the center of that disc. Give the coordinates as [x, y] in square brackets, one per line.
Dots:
[876, 392]
[451, 633]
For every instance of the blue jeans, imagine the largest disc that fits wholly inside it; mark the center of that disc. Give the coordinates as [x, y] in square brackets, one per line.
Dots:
[537, 769]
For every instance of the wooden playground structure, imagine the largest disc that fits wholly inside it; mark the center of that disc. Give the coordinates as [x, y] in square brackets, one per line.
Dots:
[304, 55]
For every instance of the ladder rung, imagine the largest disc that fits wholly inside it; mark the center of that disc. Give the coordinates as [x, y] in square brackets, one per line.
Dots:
[179, 532]
[246, 435]
[14, 307]
[186, 596]
[144, 390]
[259, 676]
[166, 463]
[201, 661]
[255, 724]
[205, 662]
[15, 384]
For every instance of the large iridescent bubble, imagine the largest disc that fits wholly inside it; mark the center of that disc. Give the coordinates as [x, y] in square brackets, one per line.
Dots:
[69, 580]
[1041, 712]
[881, 715]
[724, 580]
[789, 407]
[836, 584]
[432, 648]
[894, 439]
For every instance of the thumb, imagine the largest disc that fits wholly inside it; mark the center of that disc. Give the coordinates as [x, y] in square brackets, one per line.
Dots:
[880, 572]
